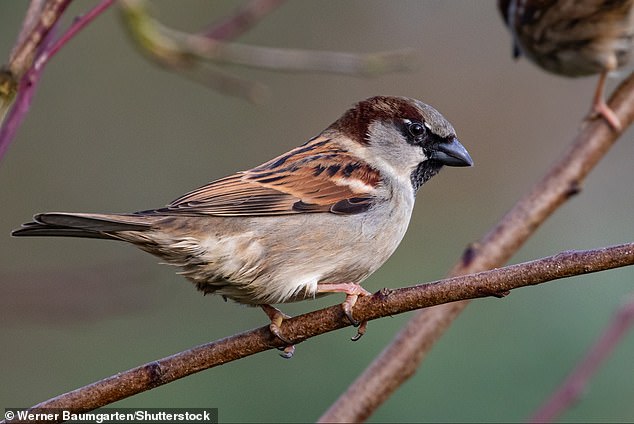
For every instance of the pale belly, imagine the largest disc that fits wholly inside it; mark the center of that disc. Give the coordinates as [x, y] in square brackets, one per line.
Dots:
[268, 260]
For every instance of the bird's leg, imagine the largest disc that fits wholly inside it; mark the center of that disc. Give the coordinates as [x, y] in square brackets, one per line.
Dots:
[352, 291]
[276, 316]
[600, 107]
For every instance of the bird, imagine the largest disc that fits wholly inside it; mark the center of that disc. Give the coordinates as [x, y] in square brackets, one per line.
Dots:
[574, 38]
[317, 219]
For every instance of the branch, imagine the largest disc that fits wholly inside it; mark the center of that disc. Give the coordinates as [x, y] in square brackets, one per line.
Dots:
[186, 52]
[79, 24]
[24, 53]
[31, 18]
[399, 361]
[383, 303]
[245, 18]
[38, 22]
[19, 79]
[577, 381]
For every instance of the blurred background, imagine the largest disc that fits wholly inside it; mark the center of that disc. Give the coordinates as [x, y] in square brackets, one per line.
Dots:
[110, 132]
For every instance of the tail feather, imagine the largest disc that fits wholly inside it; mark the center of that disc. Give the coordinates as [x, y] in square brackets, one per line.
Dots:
[81, 225]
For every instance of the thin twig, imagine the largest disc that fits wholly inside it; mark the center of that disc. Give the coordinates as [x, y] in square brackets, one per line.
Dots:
[35, 29]
[153, 40]
[79, 24]
[400, 360]
[30, 19]
[186, 52]
[576, 383]
[23, 72]
[21, 103]
[22, 56]
[283, 59]
[383, 303]
[294, 60]
[242, 20]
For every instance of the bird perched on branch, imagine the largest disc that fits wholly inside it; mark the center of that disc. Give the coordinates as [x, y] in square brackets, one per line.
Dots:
[318, 219]
[574, 38]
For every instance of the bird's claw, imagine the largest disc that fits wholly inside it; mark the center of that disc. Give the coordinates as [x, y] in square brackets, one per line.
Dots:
[277, 317]
[347, 311]
[602, 110]
[360, 331]
[275, 329]
[352, 291]
[287, 352]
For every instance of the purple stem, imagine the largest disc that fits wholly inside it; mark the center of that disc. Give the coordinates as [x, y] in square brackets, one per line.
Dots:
[22, 101]
[576, 382]
[79, 24]
[17, 113]
[28, 83]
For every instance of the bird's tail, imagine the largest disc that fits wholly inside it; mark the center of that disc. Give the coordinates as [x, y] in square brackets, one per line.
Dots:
[89, 225]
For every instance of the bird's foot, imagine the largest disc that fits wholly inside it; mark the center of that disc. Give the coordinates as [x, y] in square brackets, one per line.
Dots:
[601, 109]
[277, 317]
[352, 291]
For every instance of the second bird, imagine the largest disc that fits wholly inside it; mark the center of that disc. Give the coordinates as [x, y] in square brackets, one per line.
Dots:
[574, 38]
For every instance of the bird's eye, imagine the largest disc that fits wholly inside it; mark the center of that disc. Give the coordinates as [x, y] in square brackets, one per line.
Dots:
[416, 129]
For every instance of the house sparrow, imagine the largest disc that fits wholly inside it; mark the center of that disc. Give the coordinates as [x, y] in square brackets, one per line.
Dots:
[318, 219]
[574, 38]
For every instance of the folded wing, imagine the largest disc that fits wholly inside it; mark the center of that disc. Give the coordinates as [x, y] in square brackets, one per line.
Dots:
[315, 177]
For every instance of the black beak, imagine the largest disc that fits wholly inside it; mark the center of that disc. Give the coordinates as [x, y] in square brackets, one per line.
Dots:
[452, 153]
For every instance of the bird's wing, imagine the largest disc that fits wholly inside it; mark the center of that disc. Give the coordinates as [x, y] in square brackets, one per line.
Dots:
[315, 177]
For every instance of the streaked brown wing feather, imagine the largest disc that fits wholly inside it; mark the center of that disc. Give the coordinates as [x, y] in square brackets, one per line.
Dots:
[315, 177]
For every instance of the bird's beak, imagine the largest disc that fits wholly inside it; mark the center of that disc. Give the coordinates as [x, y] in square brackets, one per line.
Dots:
[452, 153]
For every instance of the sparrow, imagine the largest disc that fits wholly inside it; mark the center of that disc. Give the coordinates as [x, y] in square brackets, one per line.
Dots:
[318, 219]
[574, 38]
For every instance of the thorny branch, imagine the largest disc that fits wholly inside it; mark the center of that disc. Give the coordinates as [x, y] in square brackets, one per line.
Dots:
[400, 360]
[384, 303]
